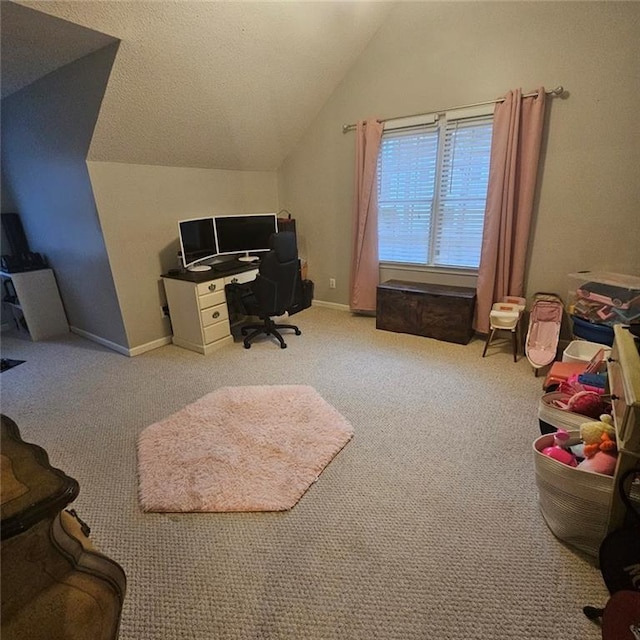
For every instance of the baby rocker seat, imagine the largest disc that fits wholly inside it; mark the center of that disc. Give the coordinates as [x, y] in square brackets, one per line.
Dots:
[544, 330]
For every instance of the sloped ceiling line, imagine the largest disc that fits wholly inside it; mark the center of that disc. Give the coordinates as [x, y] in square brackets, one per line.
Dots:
[34, 44]
[222, 85]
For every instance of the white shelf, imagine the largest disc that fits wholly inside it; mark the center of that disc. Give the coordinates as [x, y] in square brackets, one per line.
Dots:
[38, 301]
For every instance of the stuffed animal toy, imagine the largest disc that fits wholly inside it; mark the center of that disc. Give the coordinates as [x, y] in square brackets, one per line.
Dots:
[591, 434]
[586, 403]
[600, 448]
[600, 462]
[607, 445]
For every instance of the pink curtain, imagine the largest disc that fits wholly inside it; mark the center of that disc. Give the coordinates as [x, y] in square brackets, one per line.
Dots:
[364, 255]
[515, 150]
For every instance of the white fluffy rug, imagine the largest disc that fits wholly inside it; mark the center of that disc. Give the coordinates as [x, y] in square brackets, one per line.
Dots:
[255, 448]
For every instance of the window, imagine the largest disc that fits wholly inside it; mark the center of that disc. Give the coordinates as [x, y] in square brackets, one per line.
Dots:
[432, 189]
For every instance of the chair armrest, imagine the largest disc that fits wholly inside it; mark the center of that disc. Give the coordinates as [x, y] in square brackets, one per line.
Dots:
[240, 298]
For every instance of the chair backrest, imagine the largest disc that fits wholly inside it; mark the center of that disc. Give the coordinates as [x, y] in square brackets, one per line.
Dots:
[504, 315]
[278, 274]
[507, 306]
[521, 302]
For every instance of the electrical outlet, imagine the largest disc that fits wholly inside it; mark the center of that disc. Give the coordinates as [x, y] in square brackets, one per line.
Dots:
[164, 311]
[332, 283]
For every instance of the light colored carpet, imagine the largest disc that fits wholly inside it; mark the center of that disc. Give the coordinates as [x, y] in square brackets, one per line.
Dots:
[425, 526]
[251, 448]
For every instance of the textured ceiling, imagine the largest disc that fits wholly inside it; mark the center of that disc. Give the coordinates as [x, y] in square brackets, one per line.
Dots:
[34, 44]
[229, 85]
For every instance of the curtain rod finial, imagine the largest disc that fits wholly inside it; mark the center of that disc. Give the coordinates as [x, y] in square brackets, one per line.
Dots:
[558, 91]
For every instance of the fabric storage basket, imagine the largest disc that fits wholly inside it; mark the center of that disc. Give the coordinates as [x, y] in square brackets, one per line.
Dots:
[551, 418]
[574, 503]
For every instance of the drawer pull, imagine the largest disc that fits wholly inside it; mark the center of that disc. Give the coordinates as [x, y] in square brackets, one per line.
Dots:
[611, 360]
[215, 314]
[614, 397]
[234, 280]
[212, 286]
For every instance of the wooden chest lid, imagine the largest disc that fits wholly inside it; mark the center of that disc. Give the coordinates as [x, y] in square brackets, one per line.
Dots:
[432, 289]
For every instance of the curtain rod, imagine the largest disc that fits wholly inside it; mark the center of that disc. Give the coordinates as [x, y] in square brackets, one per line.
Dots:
[558, 91]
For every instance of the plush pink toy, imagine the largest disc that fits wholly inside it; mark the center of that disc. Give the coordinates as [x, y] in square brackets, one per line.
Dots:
[586, 403]
[601, 462]
[600, 456]
[558, 452]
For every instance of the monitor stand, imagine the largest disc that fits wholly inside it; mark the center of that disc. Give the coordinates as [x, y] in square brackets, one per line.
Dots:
[199, 267]
[248, 258]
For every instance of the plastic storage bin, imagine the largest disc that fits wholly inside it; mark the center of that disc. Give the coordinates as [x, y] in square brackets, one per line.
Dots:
[583, 351]
[586, 330]
[604, 298]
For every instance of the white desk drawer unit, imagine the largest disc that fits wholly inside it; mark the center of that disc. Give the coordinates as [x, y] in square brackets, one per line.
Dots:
[211, 295]
[214, 315]
[239, 278]
[199, 313]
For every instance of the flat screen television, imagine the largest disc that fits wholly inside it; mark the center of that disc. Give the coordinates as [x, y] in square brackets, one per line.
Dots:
[245, 233]
[197, 242]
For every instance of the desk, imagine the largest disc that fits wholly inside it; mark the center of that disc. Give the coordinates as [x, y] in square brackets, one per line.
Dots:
[198, 306]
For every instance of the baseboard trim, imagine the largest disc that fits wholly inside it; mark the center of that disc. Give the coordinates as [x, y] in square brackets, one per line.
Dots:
[103, 341]
[150, 346]
[136, 351]
[330, 305]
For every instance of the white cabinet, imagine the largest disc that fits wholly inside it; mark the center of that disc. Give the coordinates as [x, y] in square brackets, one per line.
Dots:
[199, 313]
[36, 303]
[624, 384]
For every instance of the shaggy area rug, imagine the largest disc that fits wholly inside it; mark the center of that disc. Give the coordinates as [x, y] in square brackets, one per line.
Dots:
[254, 448]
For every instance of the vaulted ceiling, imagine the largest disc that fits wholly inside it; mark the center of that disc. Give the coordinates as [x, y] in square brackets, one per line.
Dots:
[228, 85]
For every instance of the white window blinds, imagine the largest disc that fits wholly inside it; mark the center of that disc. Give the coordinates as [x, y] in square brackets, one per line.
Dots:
[406, 187]
[432, 186]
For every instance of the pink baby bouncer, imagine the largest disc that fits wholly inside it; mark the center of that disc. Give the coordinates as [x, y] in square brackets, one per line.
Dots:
[544, 330]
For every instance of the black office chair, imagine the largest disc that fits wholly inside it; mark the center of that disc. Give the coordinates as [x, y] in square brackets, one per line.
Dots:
[272, 292]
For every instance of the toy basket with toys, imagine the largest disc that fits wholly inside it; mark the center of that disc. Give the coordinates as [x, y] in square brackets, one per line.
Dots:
[574, 503]
[574, 473]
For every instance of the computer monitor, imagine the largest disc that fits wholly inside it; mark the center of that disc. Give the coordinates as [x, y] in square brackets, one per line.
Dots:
[197, 242]
[245, 233]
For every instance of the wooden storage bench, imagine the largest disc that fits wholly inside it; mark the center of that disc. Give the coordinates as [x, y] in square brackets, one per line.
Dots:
[431, 310]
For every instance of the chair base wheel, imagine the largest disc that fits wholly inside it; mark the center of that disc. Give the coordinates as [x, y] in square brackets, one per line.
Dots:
[268, 328]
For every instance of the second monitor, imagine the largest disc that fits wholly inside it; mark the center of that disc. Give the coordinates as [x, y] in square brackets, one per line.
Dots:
[245, 233]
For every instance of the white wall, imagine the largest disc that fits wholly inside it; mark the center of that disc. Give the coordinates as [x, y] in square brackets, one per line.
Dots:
[433, 55]
[139, 207]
